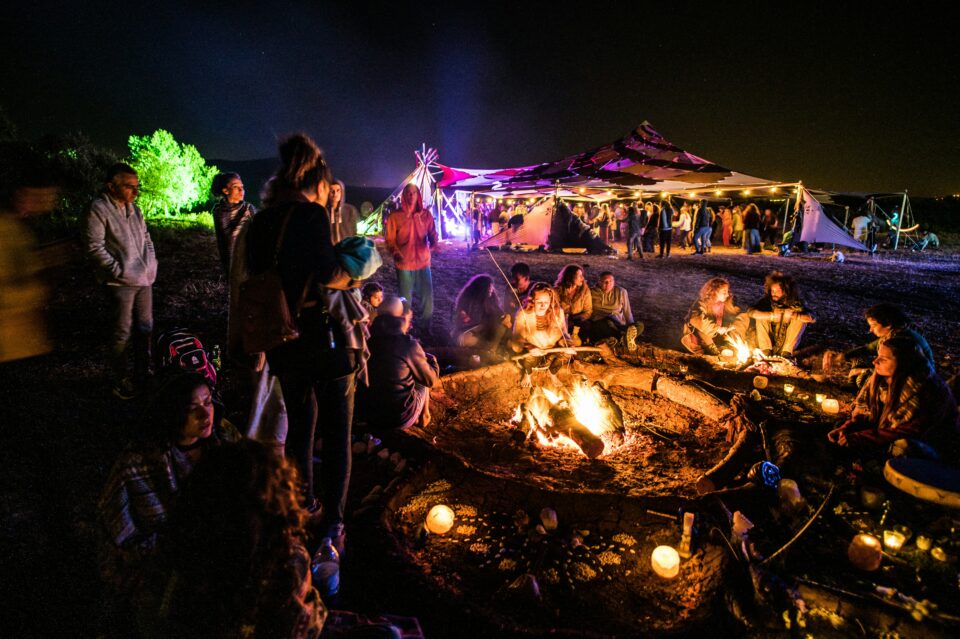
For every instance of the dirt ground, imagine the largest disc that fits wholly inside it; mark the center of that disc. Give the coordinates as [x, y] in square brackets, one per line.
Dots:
[60, 429]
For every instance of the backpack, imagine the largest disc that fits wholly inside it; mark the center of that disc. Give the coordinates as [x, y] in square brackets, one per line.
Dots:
[265, 318]
[179, 349]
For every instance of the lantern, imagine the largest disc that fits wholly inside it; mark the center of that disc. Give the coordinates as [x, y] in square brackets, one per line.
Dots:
[439, 519]
[865, 552]
[665, 561]
[830, 406]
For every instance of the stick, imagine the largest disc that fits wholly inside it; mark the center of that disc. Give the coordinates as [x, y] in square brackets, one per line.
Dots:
[578, 349]
[805, 526]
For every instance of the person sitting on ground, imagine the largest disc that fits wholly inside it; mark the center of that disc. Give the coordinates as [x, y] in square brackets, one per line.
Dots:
[612, 318]
[372, 298]
[478, 320]
[885, 321]
[520, 287]
[400, 373]
[538, 327]
[239, 565]
[574, 297]
[904, 399]
[780, 316]
[712, 319]
[146, 480]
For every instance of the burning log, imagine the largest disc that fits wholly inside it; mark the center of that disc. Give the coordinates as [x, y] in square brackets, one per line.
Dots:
[615, 415]
[566, 423]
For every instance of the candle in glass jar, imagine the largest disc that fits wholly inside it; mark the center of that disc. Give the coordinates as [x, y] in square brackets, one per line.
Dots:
[760, 382]
[820, 397]
[665, 561]
[788, 389]
[871, 497]
[893, 540]
[923, 543]
[830, 406]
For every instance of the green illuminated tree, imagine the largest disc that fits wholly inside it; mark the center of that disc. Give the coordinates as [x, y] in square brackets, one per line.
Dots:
[174, 177]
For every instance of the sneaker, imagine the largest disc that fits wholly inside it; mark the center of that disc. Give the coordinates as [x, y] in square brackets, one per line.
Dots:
[125, 389]
[631, 338]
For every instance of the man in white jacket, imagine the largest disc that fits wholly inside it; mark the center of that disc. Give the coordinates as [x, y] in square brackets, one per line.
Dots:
[118, 243]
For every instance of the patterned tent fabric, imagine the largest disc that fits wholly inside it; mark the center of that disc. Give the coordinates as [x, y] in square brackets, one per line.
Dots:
[641, 161]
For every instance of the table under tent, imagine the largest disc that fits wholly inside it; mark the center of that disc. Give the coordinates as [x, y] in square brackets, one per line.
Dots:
[641, 165]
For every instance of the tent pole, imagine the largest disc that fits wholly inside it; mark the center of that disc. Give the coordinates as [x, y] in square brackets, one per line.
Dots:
[903, 210]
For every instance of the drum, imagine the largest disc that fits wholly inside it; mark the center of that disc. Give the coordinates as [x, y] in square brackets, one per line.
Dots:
[924, 479]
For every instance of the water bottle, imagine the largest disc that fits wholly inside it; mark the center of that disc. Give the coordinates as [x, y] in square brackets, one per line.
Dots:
[326, 569]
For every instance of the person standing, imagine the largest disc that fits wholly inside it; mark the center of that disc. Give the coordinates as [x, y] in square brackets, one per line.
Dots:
[343, 216]
[320, 367]
[634, 232]
[737, 226]
[751, 229]
[119, 244]
[666, 227]
[230, 213]
[650, 225]
[726, 231]
[683, 225]
[410, 236]
[702, 228]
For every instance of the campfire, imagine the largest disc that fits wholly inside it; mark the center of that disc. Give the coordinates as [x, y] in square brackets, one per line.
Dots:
[742, 357]
[581, 417]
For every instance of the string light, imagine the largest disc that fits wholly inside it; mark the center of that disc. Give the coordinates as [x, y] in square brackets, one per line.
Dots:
[746, 192]
[718, 192]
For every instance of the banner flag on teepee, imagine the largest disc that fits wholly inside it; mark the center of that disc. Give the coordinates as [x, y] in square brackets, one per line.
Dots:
[818, 228]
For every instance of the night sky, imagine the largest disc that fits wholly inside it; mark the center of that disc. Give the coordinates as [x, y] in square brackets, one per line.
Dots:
[861, 97]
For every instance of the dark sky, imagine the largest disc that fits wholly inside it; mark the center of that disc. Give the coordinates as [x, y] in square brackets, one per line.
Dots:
[849, 97]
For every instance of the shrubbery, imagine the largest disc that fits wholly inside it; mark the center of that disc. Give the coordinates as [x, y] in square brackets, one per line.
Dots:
[174, 177]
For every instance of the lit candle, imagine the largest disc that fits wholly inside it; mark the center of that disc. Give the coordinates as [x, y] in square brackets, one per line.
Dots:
[439, 519]
[726, 353]
[830, 406]
[893, 540]
[939, 554]
[760, 381]
[865, 552]
[820, 397]
[665, 561]
[924, 543]
[788, 389]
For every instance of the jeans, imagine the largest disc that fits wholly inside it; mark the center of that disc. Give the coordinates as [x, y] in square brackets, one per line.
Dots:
[419, 283]
[751, 240]
[701, 239]
[133, 313]
[634, 242]
[302, 393]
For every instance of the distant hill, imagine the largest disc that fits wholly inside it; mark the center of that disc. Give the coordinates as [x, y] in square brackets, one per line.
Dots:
[256, 172]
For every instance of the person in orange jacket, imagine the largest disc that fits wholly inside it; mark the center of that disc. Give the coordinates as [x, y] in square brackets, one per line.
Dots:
[411, 235]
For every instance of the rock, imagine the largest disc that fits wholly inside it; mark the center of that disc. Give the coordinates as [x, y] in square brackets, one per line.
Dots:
[548, 517]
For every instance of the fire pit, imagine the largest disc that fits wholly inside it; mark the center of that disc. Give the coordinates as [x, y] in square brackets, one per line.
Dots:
[560, 494]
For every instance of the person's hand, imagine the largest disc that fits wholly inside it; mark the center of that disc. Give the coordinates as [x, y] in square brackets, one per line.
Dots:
[506, 320]
[838, 436]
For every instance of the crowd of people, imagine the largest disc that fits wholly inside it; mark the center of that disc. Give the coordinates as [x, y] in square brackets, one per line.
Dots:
[208, 533]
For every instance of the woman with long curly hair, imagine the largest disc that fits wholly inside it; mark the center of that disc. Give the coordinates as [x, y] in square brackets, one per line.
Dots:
[239, 565]
[478, 320]
[904, 398]
[712, 318]
[540, 326]
[574, 296]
